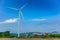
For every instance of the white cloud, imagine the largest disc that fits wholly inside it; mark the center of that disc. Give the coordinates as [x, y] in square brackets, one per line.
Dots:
[9, 21]
[38, 19]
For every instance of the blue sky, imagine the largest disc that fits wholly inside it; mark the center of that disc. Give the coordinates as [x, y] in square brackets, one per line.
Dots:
[39, 15]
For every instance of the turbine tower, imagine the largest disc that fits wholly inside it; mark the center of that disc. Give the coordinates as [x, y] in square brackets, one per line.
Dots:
[20, 14]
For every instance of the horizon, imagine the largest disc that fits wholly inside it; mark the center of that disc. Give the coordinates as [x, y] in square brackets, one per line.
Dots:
[39, 16]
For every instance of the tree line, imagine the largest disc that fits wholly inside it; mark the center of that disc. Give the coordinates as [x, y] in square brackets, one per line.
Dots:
[7, 34]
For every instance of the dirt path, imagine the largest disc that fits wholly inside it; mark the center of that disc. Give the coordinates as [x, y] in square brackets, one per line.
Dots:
[28, 39]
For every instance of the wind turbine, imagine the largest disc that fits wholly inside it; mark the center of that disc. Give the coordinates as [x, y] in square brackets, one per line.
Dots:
[20, 14]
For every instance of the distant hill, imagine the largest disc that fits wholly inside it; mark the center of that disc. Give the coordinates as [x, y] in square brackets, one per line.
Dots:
[31, 33]
[55, 32]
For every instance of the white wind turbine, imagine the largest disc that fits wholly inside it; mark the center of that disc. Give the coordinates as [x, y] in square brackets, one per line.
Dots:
[20, 14]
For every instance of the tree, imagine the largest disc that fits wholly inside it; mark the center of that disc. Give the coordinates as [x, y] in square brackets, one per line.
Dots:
[7, 34]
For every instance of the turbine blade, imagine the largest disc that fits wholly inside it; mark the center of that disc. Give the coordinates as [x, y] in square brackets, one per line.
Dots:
[21, 14]
[12, 8]
[23, 6]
